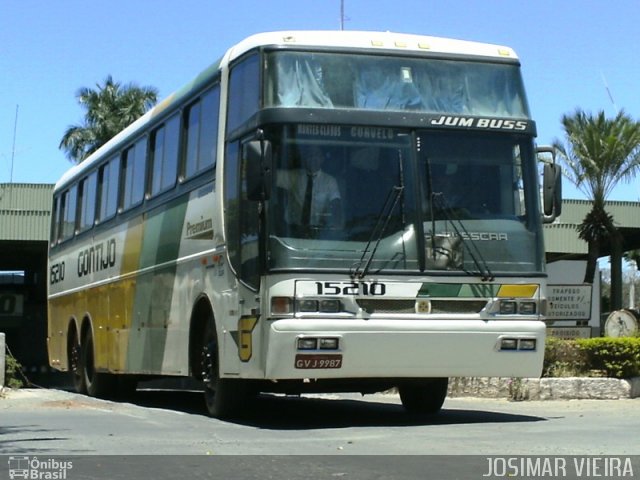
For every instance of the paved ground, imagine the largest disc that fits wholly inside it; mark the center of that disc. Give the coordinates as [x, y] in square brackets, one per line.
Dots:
[165, 423]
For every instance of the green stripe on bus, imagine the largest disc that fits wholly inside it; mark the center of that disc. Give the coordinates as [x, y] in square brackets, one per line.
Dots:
[154, 288]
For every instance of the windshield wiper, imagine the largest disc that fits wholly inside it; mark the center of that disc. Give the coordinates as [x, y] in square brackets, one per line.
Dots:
[439, 200]
[384, 217]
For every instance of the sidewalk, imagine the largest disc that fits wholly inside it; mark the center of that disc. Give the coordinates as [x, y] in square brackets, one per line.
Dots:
[580, 388]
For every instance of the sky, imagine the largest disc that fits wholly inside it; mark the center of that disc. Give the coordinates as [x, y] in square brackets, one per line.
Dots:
[574, 54]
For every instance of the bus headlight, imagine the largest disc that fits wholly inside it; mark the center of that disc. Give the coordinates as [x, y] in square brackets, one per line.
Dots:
[330, 305]
[305, 343]
[329, 343]
[517, 307]
[521, 344]
[304, 305]
[325, 305]
[318, 343]
[527, 308]
[527, 344]
[509, 344]
[508, 307]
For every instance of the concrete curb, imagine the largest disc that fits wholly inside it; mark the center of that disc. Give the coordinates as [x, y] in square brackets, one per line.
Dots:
[579, 388]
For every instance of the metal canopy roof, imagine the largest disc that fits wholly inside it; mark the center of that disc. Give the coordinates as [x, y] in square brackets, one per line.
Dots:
[561, 237]
[25, 211]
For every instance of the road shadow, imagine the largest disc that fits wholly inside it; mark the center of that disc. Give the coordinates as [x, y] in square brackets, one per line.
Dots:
[311, 412]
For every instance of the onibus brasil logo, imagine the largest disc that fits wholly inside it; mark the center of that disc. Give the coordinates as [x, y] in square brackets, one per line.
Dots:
[34, 469]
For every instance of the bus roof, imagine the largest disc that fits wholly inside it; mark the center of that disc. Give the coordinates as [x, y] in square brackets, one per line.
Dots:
[371, 40]
[364, 40]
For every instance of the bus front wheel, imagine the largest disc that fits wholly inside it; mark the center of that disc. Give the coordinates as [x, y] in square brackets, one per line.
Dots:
[426, 397]
[224, 397]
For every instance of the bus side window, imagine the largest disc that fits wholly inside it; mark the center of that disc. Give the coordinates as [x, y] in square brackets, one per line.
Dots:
[55, 219]
[70, 206]
[134, 174]
[164, 155]
[244, 92]
[108, 177]
[201, 122]
[87, 194]
[192, 124]
[232, 204]
[241, 225]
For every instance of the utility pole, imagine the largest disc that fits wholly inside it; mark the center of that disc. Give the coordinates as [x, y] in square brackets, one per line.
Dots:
[343, 17]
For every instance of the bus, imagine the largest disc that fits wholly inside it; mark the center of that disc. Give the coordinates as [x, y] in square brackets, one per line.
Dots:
[315, 212]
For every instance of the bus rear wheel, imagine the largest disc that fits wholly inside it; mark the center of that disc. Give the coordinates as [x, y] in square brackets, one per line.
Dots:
[75, 363]
[97, 384]
[425, 397]
[224, 397]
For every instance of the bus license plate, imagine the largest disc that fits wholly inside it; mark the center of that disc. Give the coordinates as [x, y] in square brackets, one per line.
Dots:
[319, 361]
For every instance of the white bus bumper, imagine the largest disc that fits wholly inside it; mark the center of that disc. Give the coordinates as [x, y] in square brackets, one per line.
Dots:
[405, 348]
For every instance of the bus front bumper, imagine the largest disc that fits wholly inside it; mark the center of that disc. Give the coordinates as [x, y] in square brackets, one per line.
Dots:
[299, 349]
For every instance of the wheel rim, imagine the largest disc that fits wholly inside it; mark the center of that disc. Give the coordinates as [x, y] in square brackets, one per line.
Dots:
[209, 366]
[89, 370]
[74, 362]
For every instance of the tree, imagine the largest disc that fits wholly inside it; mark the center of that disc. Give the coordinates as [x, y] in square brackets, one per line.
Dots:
[599, 153]
[108, 109]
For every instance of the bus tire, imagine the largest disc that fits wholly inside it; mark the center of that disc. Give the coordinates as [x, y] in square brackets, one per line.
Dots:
[74, 355]
[98, 384]
[425, 397]
[224, 397]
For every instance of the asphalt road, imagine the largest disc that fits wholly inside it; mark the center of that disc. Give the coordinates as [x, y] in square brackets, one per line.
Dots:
[329, 436]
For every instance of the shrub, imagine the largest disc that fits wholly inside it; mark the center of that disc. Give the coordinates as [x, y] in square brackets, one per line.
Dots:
[562, 358]
[13, 372]
[617, 357]
[614, 357]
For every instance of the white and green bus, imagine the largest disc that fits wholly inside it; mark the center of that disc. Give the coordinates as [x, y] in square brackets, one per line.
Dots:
[186, 246]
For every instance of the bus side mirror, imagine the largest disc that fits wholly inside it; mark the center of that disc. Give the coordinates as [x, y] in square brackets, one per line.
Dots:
[551, 188]
[257, 157]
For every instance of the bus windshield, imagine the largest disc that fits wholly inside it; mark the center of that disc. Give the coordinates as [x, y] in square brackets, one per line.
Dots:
[379, 82]
[373, 199]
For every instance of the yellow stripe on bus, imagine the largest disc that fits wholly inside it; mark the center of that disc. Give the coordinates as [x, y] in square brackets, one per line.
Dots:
[521, 291]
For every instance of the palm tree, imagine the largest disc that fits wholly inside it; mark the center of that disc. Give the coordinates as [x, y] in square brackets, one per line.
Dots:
[108, 109]
[600, 153]
[633, 256]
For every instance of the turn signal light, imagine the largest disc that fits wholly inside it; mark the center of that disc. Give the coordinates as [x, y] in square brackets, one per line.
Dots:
[281, 305]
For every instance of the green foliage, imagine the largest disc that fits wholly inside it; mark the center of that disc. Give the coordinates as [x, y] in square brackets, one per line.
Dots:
[109, 108]
[617, 357]
[611, 357]
[13, 373]
[563, 359]
[598, 153]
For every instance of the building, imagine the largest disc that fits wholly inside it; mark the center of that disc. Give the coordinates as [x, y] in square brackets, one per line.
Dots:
[25, 211]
